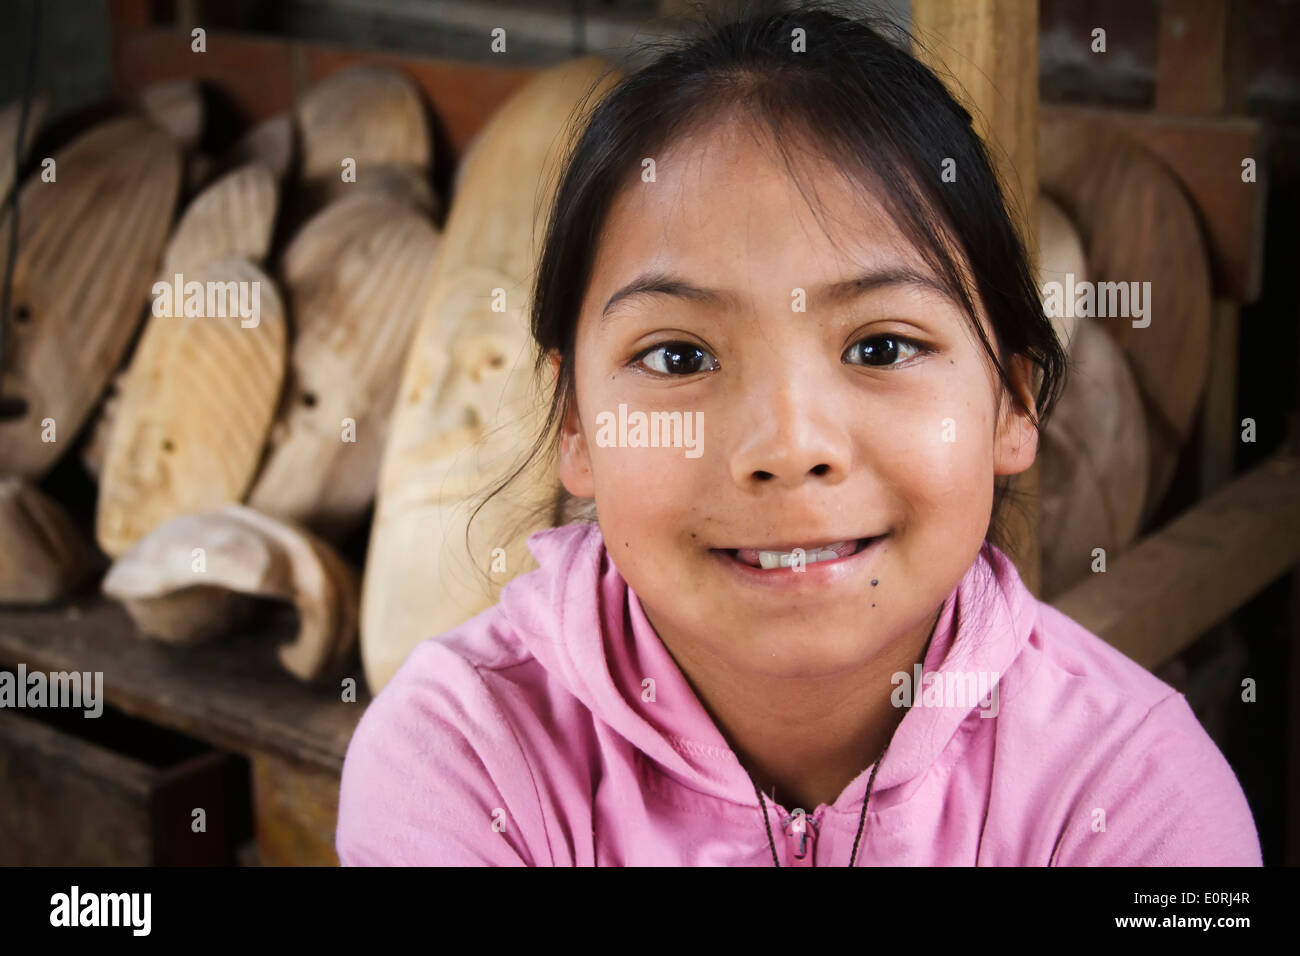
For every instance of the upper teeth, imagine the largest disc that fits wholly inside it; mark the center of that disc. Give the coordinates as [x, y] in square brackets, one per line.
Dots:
[784, 559]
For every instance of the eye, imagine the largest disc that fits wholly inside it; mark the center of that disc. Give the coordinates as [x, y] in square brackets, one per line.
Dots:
[677, 358]
[883, 351]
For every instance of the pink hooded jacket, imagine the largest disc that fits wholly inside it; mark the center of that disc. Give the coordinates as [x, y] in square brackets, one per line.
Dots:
[522, 737]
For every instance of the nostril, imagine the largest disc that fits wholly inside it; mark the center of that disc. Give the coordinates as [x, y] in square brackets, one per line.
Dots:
[820, 470]
[763, 475]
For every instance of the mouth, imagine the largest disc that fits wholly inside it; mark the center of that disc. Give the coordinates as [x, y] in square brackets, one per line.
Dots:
[772, 557]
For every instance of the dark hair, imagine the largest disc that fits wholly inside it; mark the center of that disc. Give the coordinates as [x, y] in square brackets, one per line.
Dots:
[857, 95]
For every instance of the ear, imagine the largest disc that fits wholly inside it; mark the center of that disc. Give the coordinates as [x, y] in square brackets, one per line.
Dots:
[574, 459]
[1015, 443]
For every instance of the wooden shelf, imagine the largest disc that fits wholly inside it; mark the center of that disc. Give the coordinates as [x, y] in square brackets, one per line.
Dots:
[232, 693]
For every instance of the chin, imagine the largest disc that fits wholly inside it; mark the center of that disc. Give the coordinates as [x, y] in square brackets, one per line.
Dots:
[798, 651]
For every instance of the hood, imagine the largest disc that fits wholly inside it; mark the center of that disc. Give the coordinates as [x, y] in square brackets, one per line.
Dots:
[577, 616]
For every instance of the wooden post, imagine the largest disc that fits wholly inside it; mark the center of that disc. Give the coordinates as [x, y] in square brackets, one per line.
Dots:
[987, 53]
[296, 810]
[1192, 79]
[1190, 60]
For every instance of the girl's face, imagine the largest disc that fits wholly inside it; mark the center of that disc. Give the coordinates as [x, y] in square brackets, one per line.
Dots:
[827, 412]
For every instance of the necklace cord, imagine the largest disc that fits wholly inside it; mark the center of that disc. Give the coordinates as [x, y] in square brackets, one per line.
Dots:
[862, 820]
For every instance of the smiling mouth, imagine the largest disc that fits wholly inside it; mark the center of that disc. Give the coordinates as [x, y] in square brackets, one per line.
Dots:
[784, 557]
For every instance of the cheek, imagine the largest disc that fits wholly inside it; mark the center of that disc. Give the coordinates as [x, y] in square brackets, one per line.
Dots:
[630, 476]
[646, 484]
[649, 500]
[941, 461]
[648, 503]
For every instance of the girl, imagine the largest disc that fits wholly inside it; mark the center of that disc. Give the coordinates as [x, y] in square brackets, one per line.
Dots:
[795, 639]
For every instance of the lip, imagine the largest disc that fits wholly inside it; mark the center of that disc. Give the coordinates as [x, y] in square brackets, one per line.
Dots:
[819, 574]
[806, 545]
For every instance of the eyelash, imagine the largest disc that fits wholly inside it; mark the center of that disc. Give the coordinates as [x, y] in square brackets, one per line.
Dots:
[917, 348]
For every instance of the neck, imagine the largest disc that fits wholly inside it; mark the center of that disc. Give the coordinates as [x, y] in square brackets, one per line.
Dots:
[804, 740]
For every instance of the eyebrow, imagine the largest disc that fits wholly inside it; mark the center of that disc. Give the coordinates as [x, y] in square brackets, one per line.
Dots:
[664, 283]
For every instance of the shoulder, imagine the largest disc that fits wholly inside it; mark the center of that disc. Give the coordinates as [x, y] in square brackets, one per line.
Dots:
[1164, 796]
[1070, 653]
[1146, 783]
[435, 773]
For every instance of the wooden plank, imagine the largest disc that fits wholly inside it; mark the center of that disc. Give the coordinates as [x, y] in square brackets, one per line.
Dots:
[1205, 155]
[255, 73]
[1190, 49]
[1220, 425]
[232, 693]
[1191, 79]
[296, 810]
[68, 802]
[258, 74]
[986, 51]
[1157, 598]
[130, 14]
[68, 799]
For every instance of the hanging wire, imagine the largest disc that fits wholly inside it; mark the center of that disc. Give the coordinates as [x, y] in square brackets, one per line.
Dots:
[16, 407]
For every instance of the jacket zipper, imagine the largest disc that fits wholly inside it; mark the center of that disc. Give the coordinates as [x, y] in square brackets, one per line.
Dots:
[801, 828]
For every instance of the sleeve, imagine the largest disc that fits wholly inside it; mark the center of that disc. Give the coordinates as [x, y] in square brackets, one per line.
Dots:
[1167, 797]
[435, 776]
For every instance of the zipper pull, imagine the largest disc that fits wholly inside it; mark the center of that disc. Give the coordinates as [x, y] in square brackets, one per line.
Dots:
[798, 822]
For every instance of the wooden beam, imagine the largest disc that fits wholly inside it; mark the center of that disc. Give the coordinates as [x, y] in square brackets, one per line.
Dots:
[232, 693]
[1155, 599]
[1190, 56]
[986, 51]
[258, 74]
[1191, 79]
[1220, 422]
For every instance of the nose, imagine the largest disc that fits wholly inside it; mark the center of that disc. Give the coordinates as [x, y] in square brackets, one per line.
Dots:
[796, 433]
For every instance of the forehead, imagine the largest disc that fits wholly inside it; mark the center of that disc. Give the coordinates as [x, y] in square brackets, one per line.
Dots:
[725, 207]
